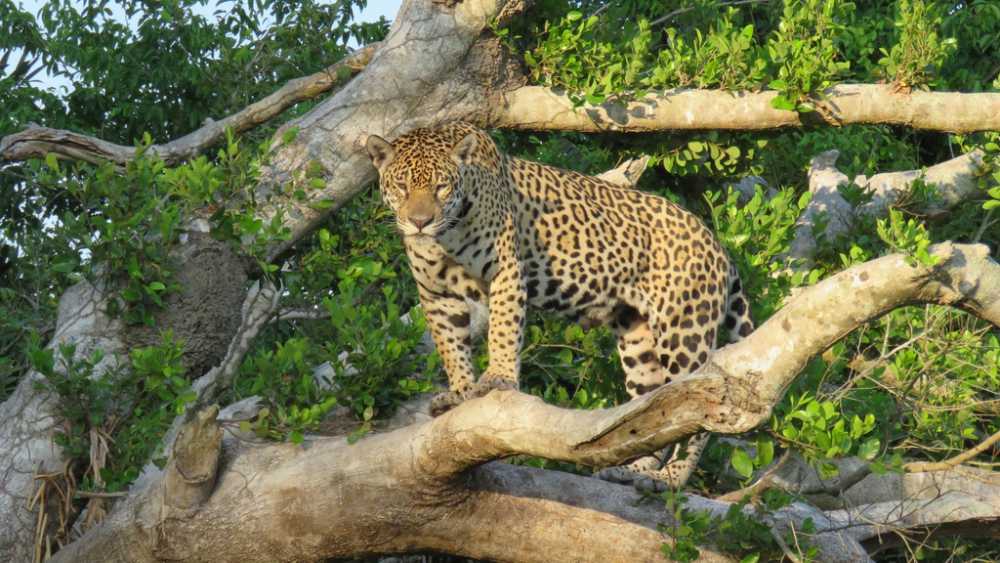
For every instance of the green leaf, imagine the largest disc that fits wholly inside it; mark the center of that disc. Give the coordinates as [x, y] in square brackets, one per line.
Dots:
[52, 162]
[765, 453]
[741, 463]
[64, 267]
[869, 448]
[321, 205]
[783, 103]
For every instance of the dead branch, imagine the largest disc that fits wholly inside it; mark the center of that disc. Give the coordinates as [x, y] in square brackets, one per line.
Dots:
[542, 108]
[892, 503]
[915, 466]
[300, 315]
[955, 180]
[36, 142]
[627, 173]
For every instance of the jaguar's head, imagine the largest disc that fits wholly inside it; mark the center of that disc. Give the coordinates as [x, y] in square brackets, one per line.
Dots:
[423, 176]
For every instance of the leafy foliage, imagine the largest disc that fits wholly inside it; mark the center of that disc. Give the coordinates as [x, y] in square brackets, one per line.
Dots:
[134, 404]
[919, 53]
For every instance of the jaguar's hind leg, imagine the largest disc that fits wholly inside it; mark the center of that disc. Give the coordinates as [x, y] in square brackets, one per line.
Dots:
[638, 350]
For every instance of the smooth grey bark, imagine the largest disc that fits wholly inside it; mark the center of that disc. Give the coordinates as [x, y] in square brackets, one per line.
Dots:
[29, 418]
[539, 107]
[954, 180]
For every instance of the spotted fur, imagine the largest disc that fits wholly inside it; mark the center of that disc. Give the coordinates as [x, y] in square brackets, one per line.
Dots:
[481, 226]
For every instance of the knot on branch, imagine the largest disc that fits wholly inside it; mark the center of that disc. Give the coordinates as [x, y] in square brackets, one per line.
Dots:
[948, 278]
[712, 400]
[733, 404]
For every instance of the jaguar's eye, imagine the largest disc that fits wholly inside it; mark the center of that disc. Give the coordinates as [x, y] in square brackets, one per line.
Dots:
[443, 190]
[389, 196]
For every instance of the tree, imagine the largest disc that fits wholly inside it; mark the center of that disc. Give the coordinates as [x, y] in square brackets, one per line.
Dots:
[197, 272]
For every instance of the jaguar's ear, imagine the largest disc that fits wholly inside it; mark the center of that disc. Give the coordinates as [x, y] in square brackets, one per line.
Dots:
[465, 149]
[379, 150]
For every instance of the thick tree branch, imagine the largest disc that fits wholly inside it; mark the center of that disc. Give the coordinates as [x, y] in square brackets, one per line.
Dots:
[36, 142]
[459, 74]
[29, 418]
[200, 315]
[542, 108]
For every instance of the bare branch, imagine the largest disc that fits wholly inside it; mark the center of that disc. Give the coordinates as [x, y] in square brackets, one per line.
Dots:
[300, 315]
[259, 306]
[915, 466]
[36, 142]
[627, 173]
[924, 500]
[542, 108]
[679, 11]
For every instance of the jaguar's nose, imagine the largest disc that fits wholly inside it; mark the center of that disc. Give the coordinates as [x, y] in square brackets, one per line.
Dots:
[420, 221]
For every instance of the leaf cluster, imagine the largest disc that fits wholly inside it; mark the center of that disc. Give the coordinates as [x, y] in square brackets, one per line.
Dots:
[131, 405]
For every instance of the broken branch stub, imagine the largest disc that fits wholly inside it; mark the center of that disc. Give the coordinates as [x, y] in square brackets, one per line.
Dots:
[190, 473]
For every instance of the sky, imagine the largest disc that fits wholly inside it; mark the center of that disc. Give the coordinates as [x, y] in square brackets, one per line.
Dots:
[372, 12]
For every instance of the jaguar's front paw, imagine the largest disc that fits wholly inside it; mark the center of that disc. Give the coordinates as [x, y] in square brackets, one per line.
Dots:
[490, 381]
[444, 402]
[487, 384]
